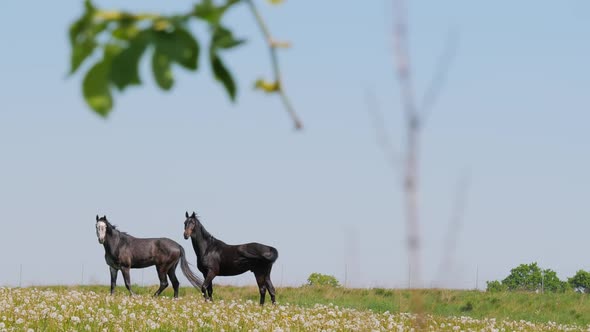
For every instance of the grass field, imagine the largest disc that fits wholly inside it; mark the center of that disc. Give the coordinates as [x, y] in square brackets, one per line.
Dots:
[90, 308]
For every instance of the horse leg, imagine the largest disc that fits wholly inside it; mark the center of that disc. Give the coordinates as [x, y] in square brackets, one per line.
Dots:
[210, 290]
[163, 280]
[127, 278]
[271, 288]
[174, 280]
[208, 284]
[203, 288]
[261, 281]
[113, 279]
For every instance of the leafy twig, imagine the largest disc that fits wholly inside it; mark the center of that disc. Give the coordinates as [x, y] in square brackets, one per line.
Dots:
[113, 15]
[169, 40]
[273, 45]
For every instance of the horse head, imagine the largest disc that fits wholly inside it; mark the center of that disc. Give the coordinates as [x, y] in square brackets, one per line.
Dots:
[190, 224]
[102, 226]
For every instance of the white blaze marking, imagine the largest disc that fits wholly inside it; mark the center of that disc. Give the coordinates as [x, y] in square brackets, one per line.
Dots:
[101, 230]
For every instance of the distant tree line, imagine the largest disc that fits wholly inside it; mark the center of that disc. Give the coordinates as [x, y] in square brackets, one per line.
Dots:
[531, 278]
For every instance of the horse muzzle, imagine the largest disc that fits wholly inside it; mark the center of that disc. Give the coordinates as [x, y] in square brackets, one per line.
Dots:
[101, 241]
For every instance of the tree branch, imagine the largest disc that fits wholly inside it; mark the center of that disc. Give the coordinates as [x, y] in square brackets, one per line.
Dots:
[272, 47]
[383, 139]
[411, 160]
[455, 224]
[442, 69]
[402, 63]
[113, 15]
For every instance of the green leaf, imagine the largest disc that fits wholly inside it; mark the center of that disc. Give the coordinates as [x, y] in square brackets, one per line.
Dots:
[179, 46]
[77, 27]
[126, 31]
[89, 6]
[111, 50]
[95, 88]
[83, 22]
[124, 67]
[208, 11]
[81, 52]
[224, 38]
[83, 40]
[82, 34]
[223, 75]
[161, 66]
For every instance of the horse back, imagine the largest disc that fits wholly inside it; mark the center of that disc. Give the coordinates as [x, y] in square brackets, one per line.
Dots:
[144, 252]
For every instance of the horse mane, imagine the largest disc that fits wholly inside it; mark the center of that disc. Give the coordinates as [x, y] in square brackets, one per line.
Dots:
[204, 232]
[114, 227]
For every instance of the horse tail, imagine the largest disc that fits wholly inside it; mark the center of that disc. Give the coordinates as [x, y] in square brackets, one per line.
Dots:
[259, 253]
[190, 275]
[271, 255]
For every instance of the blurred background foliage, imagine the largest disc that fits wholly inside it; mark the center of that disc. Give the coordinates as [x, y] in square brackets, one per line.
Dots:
[120, 40]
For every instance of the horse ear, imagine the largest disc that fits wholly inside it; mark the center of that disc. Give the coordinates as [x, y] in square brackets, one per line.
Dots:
[104, 217]
[97, 217]
[194, 215]
[186, 214]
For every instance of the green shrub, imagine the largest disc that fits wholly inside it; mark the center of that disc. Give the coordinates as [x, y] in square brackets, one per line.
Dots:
[467, 307]
[525, 277]
[580, 281]
[531, 278]
[318, 279]
[496, 286]
[383, 292]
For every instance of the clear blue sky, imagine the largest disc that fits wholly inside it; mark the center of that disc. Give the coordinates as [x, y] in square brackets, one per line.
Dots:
[513, 115]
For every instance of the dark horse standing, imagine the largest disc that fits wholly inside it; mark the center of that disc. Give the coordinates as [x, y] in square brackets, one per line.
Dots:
[124, 252]
[216, 258]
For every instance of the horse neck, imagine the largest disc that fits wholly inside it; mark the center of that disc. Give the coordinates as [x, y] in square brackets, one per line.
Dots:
[201, 240]
[112, 241]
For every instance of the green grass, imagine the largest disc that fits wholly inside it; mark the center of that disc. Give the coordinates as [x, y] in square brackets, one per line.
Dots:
[566, 308]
